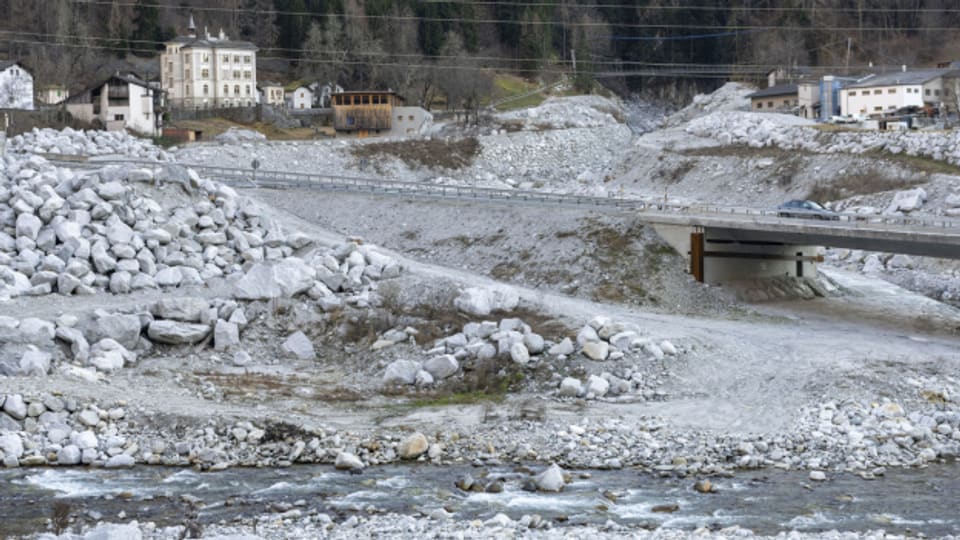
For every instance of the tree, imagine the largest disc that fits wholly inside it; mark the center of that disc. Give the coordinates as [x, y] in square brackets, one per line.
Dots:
[258, 26]
[118, 27]
[146, 27]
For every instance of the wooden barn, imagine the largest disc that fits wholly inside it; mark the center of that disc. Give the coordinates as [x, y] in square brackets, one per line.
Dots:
[364, 112]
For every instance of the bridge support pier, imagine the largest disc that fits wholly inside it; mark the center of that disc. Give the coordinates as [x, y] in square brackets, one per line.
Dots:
[717, 258]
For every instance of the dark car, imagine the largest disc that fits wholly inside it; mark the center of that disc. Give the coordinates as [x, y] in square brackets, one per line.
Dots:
[806, 209]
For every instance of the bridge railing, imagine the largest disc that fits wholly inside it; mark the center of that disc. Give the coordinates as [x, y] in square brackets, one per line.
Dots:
[276, 179]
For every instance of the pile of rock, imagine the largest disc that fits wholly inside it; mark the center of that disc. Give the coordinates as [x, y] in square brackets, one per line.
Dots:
[237, 135]
[732, 96]
[86, 143]
[566, 113]
[758, 130]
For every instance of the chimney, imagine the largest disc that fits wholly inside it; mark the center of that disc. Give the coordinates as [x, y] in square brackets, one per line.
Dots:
[222, 35]
[206, 33]
[903, 67]
[192, 28]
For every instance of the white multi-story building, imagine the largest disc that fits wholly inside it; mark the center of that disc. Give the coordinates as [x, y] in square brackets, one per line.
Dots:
[208, 71]
[16, 86]
[887, 93]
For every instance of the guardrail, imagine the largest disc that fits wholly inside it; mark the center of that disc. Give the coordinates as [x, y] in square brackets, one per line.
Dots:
[273, 179]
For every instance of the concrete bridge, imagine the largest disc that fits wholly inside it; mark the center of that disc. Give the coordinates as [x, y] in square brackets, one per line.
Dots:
[722, 243]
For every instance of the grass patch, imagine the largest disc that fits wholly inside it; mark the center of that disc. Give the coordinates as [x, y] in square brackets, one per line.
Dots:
[431, 154]
[526, 102]
[505, 86]
[489, 381]
[865, 182]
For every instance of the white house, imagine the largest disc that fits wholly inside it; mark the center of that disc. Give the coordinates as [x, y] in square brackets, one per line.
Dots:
[301, 98]
[208, 71]
[16, 86]
[271, 93]
[121, 102]
[886, 93]
[53, 94]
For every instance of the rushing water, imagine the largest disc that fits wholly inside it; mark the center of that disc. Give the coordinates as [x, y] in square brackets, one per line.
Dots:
[904, 501]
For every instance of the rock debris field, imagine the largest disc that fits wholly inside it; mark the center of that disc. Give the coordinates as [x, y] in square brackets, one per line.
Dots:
[150, 316]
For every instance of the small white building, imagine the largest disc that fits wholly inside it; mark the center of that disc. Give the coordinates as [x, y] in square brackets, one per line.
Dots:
[271, 93]
[301, 98]
[53, 94]
[888, 92]
[120, 102]
[16, 86]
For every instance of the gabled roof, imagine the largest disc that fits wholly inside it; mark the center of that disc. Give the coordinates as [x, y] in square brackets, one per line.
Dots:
[900, 78]
[189, 42]
[4, 64]
[778, 90]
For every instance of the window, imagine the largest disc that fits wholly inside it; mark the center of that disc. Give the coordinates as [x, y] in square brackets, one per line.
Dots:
[118, 117]
[853, 92]
[236, 74]
[399, 118]
[170, 66]
[769, 104]
[410, 118]
[936, 92]
[246, 59]
[226, 90]
[206, 57]
[891, 90]
[204, 73]
[759, 105]
[236, 89]
[236, 59]
[224, 59]
[365, 100]
[376, 100]
[926, 91]
[248, 89]
[878, 108]
[187, 73]
[247, 75]
[146, 115]
[877, 92]
[206, 90]
[187, 87]
[892, 107]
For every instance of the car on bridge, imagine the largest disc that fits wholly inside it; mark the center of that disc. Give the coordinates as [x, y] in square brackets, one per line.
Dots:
[798, 208]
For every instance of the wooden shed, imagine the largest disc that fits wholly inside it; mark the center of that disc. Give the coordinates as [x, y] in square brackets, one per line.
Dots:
[364, 112]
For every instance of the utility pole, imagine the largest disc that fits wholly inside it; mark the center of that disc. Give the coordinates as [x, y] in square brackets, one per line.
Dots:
[573, 58]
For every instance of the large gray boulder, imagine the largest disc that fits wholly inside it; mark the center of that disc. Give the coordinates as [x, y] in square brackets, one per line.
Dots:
[300, 346]
[124, 329]
[551, 479]
[226, 334]
[180, 309]
[441, 367]
[269, 280]
[401, 372]
[177, 333]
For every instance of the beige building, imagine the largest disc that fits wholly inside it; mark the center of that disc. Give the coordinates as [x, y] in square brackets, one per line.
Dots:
[780, 98]
[53, 94]
[271, 93]
[209, 72]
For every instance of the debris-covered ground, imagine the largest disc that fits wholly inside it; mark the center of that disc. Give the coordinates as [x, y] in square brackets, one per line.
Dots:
[151, 316]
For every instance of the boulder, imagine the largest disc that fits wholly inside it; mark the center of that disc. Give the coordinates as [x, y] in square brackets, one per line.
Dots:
[570, 387]
[401, 372]
[28, 226]
[482, 301]
[550, 479]
[109, 355]
[69, 455]
[124, 329]
[565, 347]
[225, 335]
[441, 367]
[177, 333]
[169, 277]
[596, 350]
[11, 445]
[907, 201]
[15, 407]
[519, 354]
[598, 386]
[268, 280]
[300, 346]
[180, 309]
[120, 461]
[347, 461]
[413, 446]
[533, 342]
[35, 362]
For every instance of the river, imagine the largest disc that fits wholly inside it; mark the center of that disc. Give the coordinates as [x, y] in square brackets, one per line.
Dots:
[916, 501]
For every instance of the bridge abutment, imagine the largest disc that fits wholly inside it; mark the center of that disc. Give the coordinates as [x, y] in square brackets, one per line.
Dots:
[715, 257]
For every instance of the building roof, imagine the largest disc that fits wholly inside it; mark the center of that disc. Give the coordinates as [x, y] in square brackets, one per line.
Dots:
[211, 42]
[125, 77]
[899, 78]
[778, 90]
[264, 84]
[4, 64]
[365, 92]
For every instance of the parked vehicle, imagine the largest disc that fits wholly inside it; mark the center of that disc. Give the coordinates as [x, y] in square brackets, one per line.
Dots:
[798, 208]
